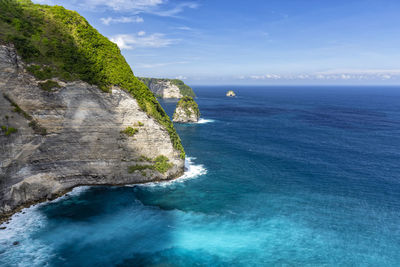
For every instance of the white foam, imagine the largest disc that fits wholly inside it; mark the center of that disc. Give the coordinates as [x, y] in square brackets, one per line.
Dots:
[20, 228]
[192, 171]
[29, 251]
[203, 121]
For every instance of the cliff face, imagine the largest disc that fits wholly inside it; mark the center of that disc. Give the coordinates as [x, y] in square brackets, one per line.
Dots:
[186, 111]
[73, 135]
[168, 88]
[165, 89]
[59, 43]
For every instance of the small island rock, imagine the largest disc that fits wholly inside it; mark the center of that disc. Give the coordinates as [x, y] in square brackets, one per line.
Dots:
[186, 111]
[230, 93]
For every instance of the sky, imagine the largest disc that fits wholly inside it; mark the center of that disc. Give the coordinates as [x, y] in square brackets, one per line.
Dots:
[260, 42]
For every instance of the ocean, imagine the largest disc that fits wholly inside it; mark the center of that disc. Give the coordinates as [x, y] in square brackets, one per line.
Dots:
[277, 176]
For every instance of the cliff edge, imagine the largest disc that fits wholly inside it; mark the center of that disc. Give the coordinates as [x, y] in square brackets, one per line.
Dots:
[168, 88]
[72, 112]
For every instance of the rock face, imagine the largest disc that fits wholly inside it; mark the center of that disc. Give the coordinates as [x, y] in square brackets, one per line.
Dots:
[168, 88]
[186, 111]
[165, 89]
[72, 135]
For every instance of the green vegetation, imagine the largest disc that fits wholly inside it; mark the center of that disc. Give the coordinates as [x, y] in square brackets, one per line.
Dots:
[32, 123]
[37, 128]
[49, 85]
[144, 158]
[140, 124]
[188, 104]
[60, 43]
[17, 109]
[8, 130]
[129, 131]
[160, 164]
[41, 72]
[183, 88]
[134, 168]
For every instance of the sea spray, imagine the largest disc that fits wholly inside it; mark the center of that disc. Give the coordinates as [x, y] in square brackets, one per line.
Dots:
[192, 171]
[204, 121]
[17, 246]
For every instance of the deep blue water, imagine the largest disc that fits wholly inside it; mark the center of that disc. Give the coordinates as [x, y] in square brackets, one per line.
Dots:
[294, 176]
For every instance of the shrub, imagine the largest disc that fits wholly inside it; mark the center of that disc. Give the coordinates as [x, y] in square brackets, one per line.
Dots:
[41, 72]
[48, 85]
[144, 158]
[8, 130]
[160, 164]
[134, 168]
[130, 131]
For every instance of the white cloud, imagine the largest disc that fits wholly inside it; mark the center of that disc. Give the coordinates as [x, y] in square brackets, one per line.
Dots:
[110, 20]
[175, 10]
[354, 74]
[336, 75]
[180, 77]
[132, 41]
[157, 7]
[183, 28]
[123, 5]
[265, 77]
[155, 65]
[44, 2]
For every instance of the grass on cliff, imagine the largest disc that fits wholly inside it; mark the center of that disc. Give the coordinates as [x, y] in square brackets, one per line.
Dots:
[160, 164]
[129, 131]
[8, 130]
[183, 88]
[56, 42]
[49, 85]
[32, 123]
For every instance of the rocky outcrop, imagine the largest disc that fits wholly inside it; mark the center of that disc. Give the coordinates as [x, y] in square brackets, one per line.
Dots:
[230, 93]
[186, 111]
[165, 89]
[70, 135]
[168, 88]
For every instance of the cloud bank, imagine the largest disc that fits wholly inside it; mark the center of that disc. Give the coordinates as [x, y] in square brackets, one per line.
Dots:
[110, 20]
[141, 40]
[337, 75]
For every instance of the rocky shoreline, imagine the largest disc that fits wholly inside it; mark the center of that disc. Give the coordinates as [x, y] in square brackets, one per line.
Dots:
[6, 217]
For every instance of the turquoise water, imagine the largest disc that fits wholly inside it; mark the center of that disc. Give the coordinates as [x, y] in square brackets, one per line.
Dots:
[278, 176]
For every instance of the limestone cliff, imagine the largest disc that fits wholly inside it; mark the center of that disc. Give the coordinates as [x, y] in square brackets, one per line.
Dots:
[186, 111]
[168, 88]
[73, 134]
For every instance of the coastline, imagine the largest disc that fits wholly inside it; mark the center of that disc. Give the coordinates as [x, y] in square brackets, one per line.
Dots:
[5, 218]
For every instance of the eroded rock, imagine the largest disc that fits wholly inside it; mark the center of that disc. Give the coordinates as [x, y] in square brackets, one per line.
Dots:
[83, 143]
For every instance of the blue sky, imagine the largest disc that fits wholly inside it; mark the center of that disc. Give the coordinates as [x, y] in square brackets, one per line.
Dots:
[253, 41]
